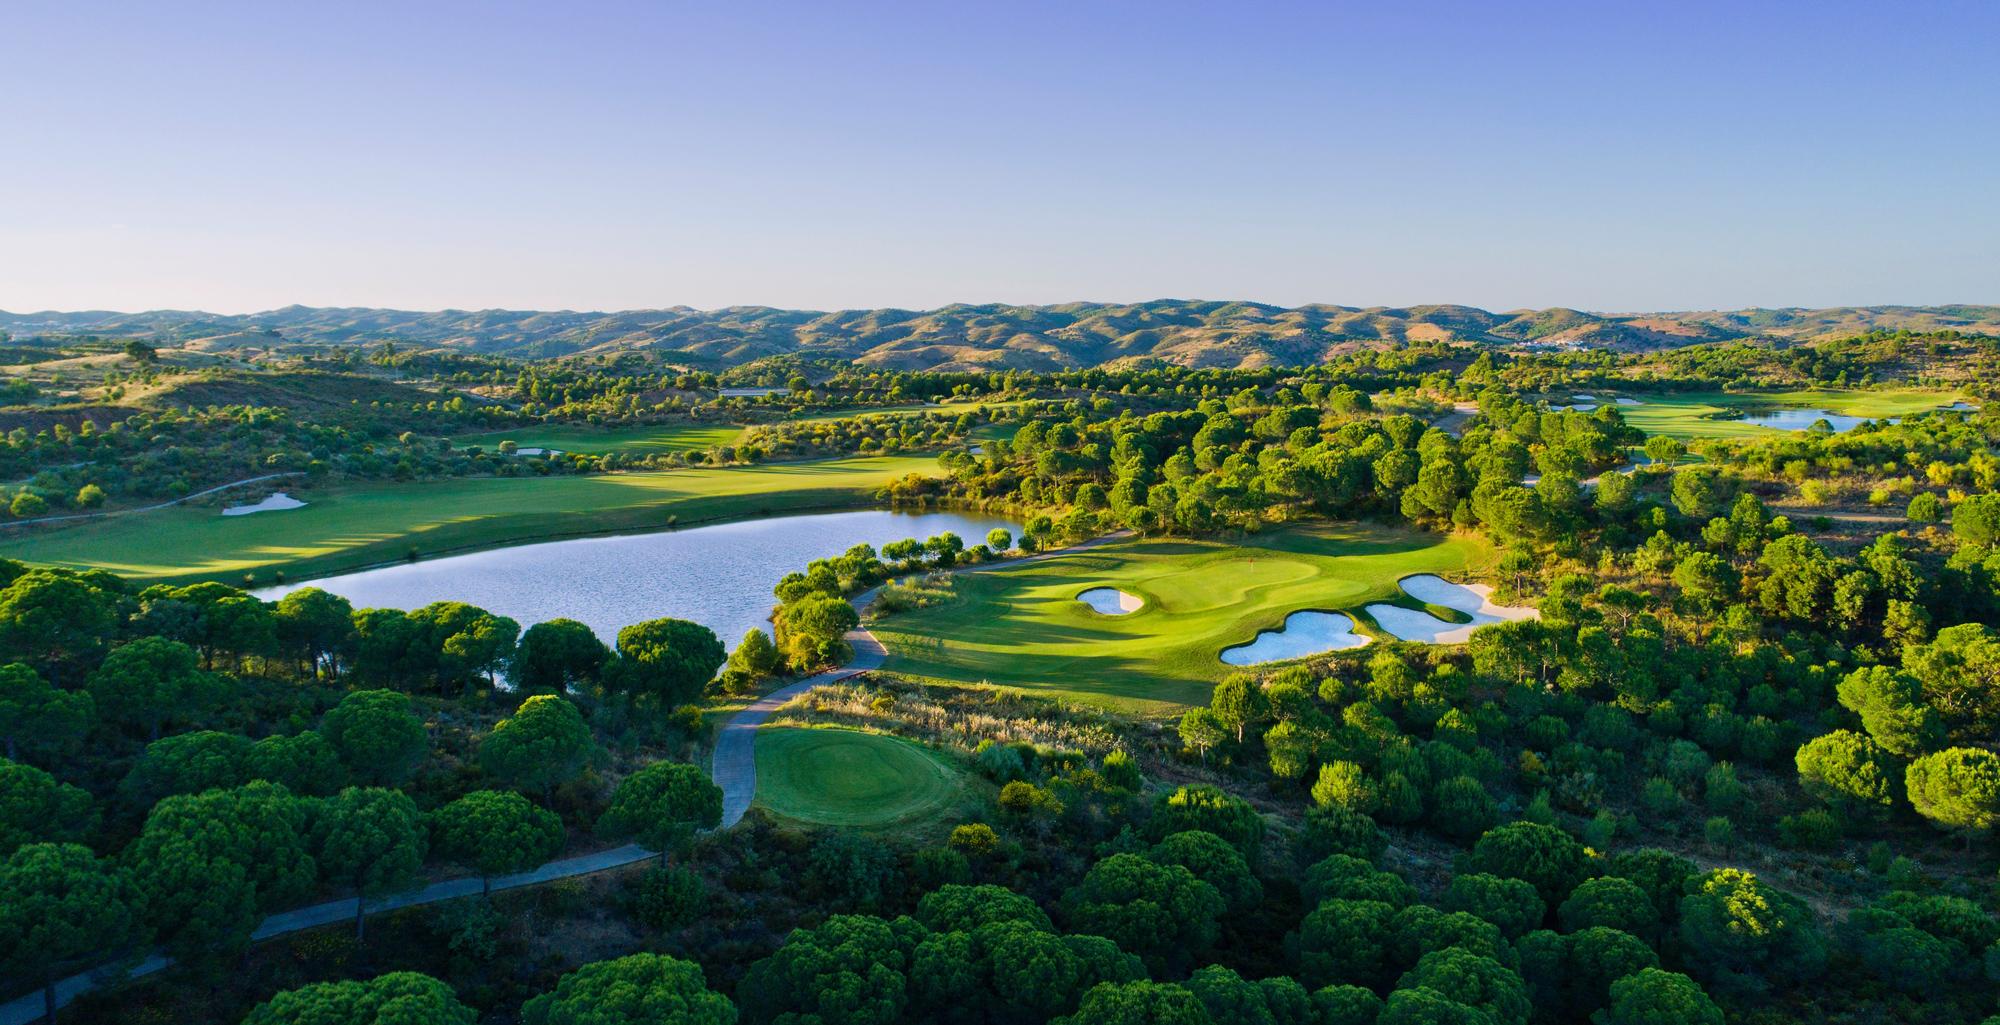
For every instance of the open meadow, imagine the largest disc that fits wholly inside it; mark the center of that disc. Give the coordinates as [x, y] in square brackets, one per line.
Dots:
[1023, 627]
[647, 439]
[347, 527]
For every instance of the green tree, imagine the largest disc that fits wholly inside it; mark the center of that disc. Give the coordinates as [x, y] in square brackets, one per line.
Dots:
[36, 808]
[1138, 1003]
[558, 655]
[151, 682]
[1211, 810]
[1654, 997]
[1546, 858]
[1892, 710]
[371, 840]
[1848, 771]
[377, 736]
[1746, 935]
[1610, 902]
[544, 743]
[304, 763]
[398, 998]
[210, 865]
[1346, 942]
[49, 618]
[1162, 913]
[315, 627]
[1239, 703]
[37, 720]
[850, 970]
[668, 661]
[496, 832]
[641, 989]
[186, 763]
[661, 806]
[1512, 905]
[1474, 980]
[1215, 862]
[1202, 729]
[62, 910]
[960, 908]
[999, 540]
[1957, 788]
[1977, 520]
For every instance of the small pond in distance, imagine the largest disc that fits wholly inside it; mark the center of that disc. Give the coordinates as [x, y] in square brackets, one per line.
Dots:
[720, 576]
[1304, 633]
[1801, 419]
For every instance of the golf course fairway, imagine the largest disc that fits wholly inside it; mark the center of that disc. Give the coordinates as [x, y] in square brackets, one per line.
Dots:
[352, 526]
[1023, 627]
[1689, 415]
[840, 777]
[652, 439]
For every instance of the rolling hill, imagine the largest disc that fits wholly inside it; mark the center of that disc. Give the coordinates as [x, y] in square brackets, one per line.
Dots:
[987, 336]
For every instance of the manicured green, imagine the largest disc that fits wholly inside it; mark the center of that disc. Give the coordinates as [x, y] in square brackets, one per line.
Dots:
[838, 777]
[1698, 414]
[1023, 627]
[348, 527]
[649, 439]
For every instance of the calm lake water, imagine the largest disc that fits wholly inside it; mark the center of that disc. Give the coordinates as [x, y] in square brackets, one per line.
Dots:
[719, 576]
[1800, 419]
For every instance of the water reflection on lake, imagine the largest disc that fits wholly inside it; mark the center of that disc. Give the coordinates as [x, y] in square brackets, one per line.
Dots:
[1801, 419]
[719, 576]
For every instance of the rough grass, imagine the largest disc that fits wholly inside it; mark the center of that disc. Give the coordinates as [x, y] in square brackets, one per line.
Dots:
[840, 777]
[1701, 414]
[652, 439]
[1023, 627]
[348, 527]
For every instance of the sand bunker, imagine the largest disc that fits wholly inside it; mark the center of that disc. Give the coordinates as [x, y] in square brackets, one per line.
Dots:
[1110, 601]
[1304, 633]
[1623, 401]
[1474, 600]
[271, 504]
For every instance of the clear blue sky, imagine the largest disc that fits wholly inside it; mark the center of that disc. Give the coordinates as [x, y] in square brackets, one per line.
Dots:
[427, 154]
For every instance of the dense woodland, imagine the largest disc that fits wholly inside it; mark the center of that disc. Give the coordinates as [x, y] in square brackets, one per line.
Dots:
[1742, 768]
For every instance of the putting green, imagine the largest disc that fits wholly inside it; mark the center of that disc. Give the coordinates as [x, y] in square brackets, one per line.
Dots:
[347, 527]
[1023, 627]
[838, 777]
[1696, 414]
[655, 439]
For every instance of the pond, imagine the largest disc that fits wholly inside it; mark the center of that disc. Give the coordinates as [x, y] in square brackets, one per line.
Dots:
[1801, 419]
[1304, 633]
[719, 576]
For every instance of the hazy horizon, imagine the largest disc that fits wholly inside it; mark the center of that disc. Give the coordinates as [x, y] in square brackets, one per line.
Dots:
[237, 158]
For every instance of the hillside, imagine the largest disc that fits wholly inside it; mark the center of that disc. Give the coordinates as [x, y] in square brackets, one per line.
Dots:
[989, 336]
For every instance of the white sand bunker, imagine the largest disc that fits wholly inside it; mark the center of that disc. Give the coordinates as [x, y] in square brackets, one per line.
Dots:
[1474, 600]
[1304, 633]
[1623, 401]
[271, 504]
[1110, 601]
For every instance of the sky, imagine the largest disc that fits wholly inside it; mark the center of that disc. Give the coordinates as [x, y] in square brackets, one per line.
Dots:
[596, 156]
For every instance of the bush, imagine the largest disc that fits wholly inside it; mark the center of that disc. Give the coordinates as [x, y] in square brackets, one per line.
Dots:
[668, 898]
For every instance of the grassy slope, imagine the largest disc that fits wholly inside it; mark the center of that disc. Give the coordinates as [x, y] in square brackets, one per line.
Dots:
[1021, 627]
[345, 528]
[840, 777]
[1689, 415]
[645, 440]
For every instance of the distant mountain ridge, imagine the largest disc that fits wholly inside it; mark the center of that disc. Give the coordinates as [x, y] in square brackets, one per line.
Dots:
[993, 336]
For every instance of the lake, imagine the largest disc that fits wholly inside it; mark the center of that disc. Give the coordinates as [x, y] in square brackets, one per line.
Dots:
[1801, 419]
[720, 576]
